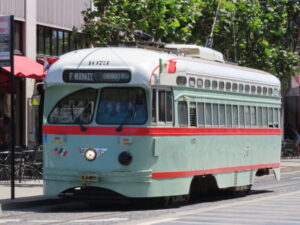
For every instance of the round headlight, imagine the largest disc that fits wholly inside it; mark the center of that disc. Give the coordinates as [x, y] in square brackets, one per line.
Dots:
[90, 154]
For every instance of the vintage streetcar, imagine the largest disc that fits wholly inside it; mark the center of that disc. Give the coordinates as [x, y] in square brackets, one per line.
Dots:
[149, 122]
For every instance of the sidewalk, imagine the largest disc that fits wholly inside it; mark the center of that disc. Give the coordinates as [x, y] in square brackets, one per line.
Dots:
[30, 191]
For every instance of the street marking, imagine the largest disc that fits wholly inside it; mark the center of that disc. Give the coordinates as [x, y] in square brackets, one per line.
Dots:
[9, 220]
[44, 221]
[98, 220]
[158, 221]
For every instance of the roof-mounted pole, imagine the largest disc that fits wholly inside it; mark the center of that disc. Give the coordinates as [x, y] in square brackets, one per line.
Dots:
[210, 40]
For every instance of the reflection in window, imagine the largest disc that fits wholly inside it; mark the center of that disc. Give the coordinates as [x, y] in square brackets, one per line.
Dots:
[193, 120]
[76, 108]
[182, 114]
[122, 106]
[200, 114]
[253, 116]
[235, 120]
[208, 119]
[222, 115]
[242, 116]
[228, 116]
[215, 115]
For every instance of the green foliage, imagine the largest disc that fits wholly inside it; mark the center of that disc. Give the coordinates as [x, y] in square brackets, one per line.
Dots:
[259, 34]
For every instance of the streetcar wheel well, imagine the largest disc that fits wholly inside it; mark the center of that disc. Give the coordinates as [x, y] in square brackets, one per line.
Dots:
[202, 185]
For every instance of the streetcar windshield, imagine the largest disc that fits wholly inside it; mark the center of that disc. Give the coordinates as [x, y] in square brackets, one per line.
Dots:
[76, 108]
[122, 106]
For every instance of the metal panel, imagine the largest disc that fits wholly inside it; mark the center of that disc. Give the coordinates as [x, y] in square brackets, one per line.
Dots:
[61, 13]
[13, 7]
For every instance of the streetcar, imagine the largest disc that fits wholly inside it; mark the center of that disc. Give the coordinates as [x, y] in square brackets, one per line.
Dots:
[162, 121]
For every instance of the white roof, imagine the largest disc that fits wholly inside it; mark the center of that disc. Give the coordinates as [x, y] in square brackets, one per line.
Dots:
[144, 66]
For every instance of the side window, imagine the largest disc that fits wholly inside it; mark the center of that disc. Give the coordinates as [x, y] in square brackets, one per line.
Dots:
[276, 118]
[242, 116]
[200, 108]
[199, 83]
[234, 87]
[221, 86]
[235, 121]
[270, 117]
[193, 118]
[253, 116]
[214, 84]
[154, 105]
[192, 82]
[222, 115]
[76, 108]
[259, 117]
[208, 120]
[228, 116]
[265, 117]
[182, 114]
[247, 116]
[215, 115]
[165, 106]
[207, 84]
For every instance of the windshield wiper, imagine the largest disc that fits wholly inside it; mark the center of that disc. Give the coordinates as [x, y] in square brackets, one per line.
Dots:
[130, 115]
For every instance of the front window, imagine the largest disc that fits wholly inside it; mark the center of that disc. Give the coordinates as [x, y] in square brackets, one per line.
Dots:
[76, 108]
[122, 106]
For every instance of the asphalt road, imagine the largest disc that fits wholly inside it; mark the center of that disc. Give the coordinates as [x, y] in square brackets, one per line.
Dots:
[269, 202]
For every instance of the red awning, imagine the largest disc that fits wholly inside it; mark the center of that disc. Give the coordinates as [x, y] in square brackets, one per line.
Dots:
[25, 67]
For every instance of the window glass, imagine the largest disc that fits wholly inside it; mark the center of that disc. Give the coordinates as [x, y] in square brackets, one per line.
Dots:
[265, 117]
[66, 42]
[208, 119]
[60, 42]
[76, 108]
[222, 115]
[221, 85]
[18, 34]
[182, 114]
[259, 90]
[276, 118]
[41, 44]
[247, 116]
[161, 105]
[253, 89]
[181, 80]
[169, 106]
[214, 84]
[193, 120]
[48, 37]
[199, 83]
[265, 90]
[215, 115]
[122, 106]
[276, 91]
[200, 114]
[234, 87]
[192, 82]
[270, 91]
[235, 120]
[207, 83]
[241, 88]
[228, 86]
[54, 43]
[242, 116]
[259, 117]
[154, 105]
[253, 116]
[247, 88]
[270, 117]
[228, 116]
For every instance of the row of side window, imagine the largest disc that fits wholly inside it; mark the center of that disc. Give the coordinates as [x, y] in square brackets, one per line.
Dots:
[199, 114]
[227, 86]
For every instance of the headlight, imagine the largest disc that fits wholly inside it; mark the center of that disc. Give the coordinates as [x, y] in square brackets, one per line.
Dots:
[90, 154]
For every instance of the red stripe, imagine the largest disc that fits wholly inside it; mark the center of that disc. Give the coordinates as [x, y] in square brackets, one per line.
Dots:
[158, 131]
[191, 173]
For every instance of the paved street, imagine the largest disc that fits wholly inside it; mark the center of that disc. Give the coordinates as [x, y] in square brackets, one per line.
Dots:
[270, 202]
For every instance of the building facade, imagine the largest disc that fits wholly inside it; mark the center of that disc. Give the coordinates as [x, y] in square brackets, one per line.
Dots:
[42, 29]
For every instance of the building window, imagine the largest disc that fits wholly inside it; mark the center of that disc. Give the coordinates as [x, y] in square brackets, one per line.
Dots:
[18, 37]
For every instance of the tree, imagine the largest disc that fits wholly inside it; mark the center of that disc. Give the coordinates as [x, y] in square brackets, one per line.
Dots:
[249, 32]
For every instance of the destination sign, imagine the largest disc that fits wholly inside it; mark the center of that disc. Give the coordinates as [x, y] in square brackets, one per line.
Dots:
[96, 76]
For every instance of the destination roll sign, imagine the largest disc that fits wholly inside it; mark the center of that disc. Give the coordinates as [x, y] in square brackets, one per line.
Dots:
[96, 76]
